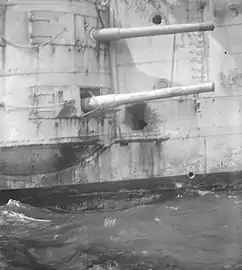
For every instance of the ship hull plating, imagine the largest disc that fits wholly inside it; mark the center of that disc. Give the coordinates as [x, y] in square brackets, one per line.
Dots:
[156, 145]
[123, 194]
[153, 161]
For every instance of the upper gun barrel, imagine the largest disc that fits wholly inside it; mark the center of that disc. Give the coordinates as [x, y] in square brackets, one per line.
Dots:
[114, 100]
[110, 34]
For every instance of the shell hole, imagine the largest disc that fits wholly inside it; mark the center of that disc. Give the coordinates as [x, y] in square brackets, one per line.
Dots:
[157, 19]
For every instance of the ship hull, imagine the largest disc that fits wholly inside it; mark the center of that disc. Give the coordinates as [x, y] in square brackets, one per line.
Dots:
[140, 164]
[26, 160]
[211, 181]
[175, 141]
[123, 194]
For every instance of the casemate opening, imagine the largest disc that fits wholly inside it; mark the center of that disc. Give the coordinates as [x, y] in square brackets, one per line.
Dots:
[88, 93]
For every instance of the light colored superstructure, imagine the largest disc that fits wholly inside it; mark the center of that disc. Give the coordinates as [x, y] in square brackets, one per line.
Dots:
[97, 91]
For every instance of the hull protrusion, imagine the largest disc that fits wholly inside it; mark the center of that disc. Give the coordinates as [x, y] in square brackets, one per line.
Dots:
[112, 34]
[114, 100]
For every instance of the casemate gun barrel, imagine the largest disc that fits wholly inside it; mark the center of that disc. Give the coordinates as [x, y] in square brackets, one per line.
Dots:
[110, 34]
[115, 100]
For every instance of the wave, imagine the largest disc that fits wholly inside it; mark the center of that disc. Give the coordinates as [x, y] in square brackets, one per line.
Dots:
[22, 217]
[19, 212]
[147, 237]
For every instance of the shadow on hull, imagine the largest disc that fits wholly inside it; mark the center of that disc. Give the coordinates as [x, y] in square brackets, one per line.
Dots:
[40, 159]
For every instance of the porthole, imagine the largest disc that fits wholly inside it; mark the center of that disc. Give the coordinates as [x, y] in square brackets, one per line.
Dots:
[233, 11]
[191, 175]
[161, 83]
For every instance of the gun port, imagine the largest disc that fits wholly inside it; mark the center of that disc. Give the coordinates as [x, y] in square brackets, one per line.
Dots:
[88, 93]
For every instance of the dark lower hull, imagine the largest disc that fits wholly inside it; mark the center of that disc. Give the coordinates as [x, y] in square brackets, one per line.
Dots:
[29, 160]
[121, 194]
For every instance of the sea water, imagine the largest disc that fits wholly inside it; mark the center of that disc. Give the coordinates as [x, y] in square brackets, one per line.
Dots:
[181, 232]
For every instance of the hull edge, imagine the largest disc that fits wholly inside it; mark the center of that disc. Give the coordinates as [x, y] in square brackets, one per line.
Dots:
[122, 194]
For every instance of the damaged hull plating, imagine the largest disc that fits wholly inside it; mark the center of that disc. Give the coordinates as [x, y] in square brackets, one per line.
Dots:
[52, 67]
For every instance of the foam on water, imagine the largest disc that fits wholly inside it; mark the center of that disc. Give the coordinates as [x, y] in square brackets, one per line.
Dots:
[21, 217]
[187, 232]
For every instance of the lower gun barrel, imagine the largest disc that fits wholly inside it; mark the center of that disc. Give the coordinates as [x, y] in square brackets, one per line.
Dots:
[114, 100]
[110, 34]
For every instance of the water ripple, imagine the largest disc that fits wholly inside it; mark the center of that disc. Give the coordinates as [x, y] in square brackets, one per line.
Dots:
[188, 232]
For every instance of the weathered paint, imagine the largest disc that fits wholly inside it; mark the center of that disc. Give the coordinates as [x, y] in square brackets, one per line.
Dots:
[203, 133]
[40, 84]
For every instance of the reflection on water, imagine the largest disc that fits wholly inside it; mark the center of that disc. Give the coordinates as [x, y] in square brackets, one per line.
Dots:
[201, 232]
